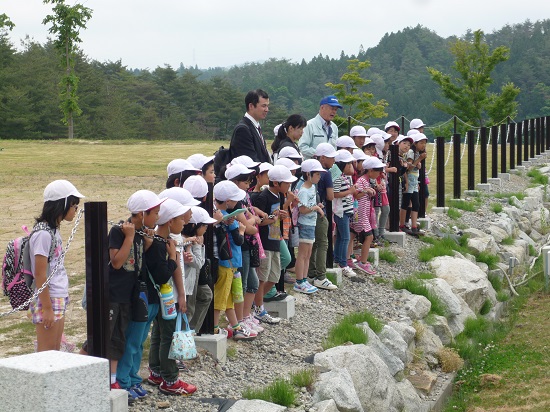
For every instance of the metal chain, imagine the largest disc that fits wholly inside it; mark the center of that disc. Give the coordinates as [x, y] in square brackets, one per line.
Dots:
[449, 154]
[432, 158]
[477, 141]
[54, 271]
[140, 232]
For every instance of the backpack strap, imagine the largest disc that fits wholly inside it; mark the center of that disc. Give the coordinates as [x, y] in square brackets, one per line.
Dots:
[47, 228]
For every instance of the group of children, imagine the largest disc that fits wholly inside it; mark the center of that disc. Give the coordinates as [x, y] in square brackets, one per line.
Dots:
[261, 213]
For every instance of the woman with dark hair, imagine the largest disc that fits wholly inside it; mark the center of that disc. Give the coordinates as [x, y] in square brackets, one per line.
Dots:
[289, 133]
[61, 200]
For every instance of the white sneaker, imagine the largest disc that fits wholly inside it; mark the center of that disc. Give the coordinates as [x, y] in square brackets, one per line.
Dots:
[304, 287]
[250, 324]
[324, 284]
[347, 271]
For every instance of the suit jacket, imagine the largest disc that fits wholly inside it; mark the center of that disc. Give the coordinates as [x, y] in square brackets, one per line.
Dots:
[247, 141]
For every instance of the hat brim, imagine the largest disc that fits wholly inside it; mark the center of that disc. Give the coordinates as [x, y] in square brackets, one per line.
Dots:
[332, 155]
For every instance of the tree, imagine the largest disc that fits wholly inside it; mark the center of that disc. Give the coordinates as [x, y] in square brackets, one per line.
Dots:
[355, 101]
[468, 93]
[66, 22]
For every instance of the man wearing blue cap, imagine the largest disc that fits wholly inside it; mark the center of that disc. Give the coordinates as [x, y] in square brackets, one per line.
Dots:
[320, 129]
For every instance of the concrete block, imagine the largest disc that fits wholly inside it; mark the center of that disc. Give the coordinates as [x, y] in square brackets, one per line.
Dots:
[60, 381]
[337, 272]
[520, 168]
[118, 399]
[437, 209]
[527, 163]
[504, 176]
[494, 181]
[284, 309]
[374, 255]
[398, 237]
[471, 193]
[424, 223]
[538, 156]
[484, 187]
[216, 345]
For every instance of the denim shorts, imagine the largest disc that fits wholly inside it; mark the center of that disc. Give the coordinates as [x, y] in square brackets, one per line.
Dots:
[306, 233]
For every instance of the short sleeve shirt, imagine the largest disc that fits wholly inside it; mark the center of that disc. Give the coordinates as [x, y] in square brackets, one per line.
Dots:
[307, 198]
[270, 235]
[40, 243]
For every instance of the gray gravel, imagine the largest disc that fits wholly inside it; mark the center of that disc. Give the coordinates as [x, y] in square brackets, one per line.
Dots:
[285, 347]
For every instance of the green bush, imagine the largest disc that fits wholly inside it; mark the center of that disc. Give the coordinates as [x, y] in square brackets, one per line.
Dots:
[387, 255]
[280, 392]
[417, 287]
[486, 307]
[303, 378]
[424, 275]
[508, 241]
[462, 205]
[443, 247]
[454, 213]
[347, 330]
[537, 177]
[489, 259]
[496, 282]
[496, 207]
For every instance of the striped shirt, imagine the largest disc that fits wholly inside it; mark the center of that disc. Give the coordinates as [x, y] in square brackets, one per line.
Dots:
[342, 205]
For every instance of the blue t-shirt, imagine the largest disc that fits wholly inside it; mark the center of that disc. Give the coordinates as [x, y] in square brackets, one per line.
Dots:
[237, 258]
[324, 184]
[307, 198]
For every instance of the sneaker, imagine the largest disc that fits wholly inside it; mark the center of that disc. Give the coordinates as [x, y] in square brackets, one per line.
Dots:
[228, 332]
[367, 268]
[265, 317]
[132, 395]
[153, 379]
[115, 385]
[182, 366]
[347, 271]
[243, 333]
[289, 278]
[139, 391]
[351, 263]
[417, 231]
[278, 296]
[324, 284]
[304, 287]
[178, 388]
[406, 230]
[251, 324]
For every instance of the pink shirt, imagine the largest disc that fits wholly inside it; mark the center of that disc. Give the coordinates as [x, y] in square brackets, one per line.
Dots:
[361, 222]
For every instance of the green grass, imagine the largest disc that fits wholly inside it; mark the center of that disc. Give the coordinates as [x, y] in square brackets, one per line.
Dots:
[347, 330]
[424, 275]
[417, 287]
[537, 177]
[532, 250]
[463, 205]
[331, 277]
[454, 213]
[496, 282]
[442, 247]
[303, 378]
[387, 255]
[489, 259]
[231, 352]
[496, 207]
[519, 195]
[280, 391]
[508, 241]
[503, 296]
[486, 307]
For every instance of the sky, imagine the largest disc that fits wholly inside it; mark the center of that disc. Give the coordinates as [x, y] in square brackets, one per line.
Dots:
[146, 34]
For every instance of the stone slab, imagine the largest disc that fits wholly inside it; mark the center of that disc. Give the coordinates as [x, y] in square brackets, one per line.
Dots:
[284, 309]
[520, 168]
[504, 177]
[527, 163]
[118, 399]
[398, 237]
[495, 181]
[60, 381]
[216, 345]
[484, 187]
[424, 222]
[471, 193]
[337, 272]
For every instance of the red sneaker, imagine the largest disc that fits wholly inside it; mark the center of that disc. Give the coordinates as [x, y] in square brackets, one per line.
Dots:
[154, 380]
[178, 388]
[115, 385]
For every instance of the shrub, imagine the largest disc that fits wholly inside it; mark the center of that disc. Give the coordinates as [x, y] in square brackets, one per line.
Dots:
[303, 378]
[496, 282]
[489, 259]
[537, 177]
[508, 241]
[454, 213]
[462, 205]
[280, 392]
[387, 255]
[496, 207]
[347, 330]
[486, 307]
[449, 359]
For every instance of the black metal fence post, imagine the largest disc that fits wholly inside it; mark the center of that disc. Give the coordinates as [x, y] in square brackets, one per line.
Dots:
[483, 154]
[471, 159]
[456, 166]
[97, 277]
[538, 135]
[440, 166]
[547, 130]
[395, 187]
[519, 139]
[532, 138]
[494, 152]
[207, 327]
[503, 146]
[526, 140]
[512, 139]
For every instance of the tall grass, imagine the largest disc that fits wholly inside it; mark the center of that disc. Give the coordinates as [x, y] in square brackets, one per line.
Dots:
[347, 330]
[417, 287]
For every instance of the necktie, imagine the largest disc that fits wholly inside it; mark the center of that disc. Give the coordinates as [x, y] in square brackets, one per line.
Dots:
[329, 132]
[260, 131]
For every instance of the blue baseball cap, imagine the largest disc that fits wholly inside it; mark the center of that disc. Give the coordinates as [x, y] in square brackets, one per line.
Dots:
[331, 101]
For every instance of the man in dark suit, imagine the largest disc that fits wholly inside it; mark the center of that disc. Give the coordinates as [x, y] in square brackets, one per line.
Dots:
[247, 136]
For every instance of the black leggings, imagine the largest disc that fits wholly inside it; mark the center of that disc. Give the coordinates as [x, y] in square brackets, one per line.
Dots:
[411, 197]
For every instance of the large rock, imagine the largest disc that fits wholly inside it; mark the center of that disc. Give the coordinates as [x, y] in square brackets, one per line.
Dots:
[337, 385]
[440, 327]
[506, 224]
[416, 306]
[456, 323]
[430, 344]
[540, 219]
[404, 328]
[519, 250]
[394, 363]
[256, 406]
[371, 377]
[466, 280]
[498, 233]
[483, 244]
[411, 400]
[441, 289]
[395, 343]
[325, 406]
[424, 381]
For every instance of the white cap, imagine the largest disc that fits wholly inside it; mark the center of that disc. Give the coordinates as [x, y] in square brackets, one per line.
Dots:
[200, 215]
[178, 166]
[346, 142]
[276, 129]
[392, 124]
[344, 155]
[60, 189]
[325, 149]
[357, 131]
[419, 136]
[416, 123]
[144, 200]
[373, 130]
[280, 173]
[235, 170]
[290, 153]
[372, 163]
[358, 154]
[170, 209]
[198, 160]
[265, 166]
[400, 138]
[227, 190]
[380, 143]
[196, 185]
[386, 136]
[181, 195]
[288, 163]
[312, 165]
[244, 160]
[368, 141]
[412, 132]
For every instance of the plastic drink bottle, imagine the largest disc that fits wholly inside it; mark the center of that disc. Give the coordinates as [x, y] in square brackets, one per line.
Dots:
[167, 303]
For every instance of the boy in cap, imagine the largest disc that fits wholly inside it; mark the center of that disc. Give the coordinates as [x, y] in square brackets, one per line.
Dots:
[127, 244]
[358, 134]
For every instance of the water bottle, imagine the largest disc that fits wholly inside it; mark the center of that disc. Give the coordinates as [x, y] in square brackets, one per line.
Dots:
[167, 302]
